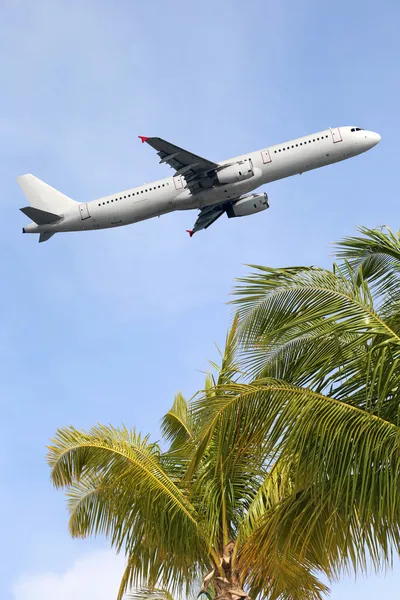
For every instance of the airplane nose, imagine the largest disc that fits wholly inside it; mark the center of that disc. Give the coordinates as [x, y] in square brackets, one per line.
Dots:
[375, 138]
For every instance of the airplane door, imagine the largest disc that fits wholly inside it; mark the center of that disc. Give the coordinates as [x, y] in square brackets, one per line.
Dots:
[266, 158]
[336, 135]
[83, 209]
[178, 182]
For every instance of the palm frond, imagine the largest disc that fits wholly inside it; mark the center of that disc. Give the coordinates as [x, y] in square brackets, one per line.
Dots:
[150, 594]
[320, 534]
[377, 256]
[353, 455]
[177, 425]
[310, 297]
[314, 320]
[292, 578]
[118, 487]
[228, 371]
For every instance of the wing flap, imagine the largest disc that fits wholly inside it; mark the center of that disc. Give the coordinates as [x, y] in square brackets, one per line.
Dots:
[193, 167]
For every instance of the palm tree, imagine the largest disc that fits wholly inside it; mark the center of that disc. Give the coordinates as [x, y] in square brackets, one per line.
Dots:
[286, 465]
[177, 513]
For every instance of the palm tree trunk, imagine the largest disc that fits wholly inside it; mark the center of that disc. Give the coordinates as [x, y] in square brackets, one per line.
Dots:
[226, 583]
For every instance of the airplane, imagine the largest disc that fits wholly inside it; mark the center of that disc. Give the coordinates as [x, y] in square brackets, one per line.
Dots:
[214, 188]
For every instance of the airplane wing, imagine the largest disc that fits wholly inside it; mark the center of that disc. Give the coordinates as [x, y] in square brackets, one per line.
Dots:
[207, 216]
[197, 170]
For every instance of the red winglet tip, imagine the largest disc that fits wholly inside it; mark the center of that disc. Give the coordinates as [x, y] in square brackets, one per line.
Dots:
[143, 138]
[190, 232]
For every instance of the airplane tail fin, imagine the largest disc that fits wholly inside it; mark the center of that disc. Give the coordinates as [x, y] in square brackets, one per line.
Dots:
[43, 197]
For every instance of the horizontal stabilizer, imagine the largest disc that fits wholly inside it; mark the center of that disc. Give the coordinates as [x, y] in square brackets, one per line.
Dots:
[40, 217]
[43, 237]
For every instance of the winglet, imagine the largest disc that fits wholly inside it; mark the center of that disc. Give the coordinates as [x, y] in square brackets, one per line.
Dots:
[143, 138]
[190, 232]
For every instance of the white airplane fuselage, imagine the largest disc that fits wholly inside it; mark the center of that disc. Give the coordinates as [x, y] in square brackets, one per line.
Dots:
[170, 194]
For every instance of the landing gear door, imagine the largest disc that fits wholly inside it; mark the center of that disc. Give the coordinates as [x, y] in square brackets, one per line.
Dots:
[84, 211]
[336, 135]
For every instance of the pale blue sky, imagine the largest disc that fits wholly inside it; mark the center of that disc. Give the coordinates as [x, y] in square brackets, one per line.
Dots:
[107, 326]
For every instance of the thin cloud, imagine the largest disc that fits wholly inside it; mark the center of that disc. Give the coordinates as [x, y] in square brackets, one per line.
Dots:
[95, 576]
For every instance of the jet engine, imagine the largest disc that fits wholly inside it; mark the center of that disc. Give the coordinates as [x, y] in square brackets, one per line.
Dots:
[233, 173]
[248, 205]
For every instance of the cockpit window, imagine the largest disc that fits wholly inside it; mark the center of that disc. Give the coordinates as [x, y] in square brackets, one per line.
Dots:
[357, 129]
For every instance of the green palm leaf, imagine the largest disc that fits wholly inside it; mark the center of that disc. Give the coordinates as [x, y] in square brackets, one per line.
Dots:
[377, 256]
[118, 487]
[177, 426]
[150, 594]
[326, 441]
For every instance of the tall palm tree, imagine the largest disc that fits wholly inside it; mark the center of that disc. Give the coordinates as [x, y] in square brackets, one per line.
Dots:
[177, 512]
